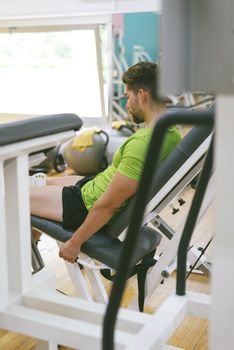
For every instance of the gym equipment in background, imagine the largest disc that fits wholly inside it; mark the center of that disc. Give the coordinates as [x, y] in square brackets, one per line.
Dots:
[85, 153]
[53, 161]
[88, 153]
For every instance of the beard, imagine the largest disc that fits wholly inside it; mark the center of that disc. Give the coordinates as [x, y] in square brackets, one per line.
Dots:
[137, 115]
[138, 118]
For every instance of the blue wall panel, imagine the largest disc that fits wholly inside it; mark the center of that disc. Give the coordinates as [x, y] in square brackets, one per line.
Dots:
[142, 29]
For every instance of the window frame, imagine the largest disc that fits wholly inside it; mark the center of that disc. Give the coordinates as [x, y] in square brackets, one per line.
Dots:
[66, 24]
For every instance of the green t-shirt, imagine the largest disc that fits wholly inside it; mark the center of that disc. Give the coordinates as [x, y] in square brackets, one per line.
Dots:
[128, 160]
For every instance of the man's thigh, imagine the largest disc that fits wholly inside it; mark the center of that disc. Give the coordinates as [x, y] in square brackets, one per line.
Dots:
[68, 180]
[46, 202]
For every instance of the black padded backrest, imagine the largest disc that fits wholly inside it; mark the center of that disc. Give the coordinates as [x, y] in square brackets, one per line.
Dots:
[38, 126]
[188, 145]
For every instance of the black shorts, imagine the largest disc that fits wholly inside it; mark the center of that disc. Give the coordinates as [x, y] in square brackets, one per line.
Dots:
[74, 209]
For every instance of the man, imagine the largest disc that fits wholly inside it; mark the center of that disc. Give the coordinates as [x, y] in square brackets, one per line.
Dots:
[86, 206]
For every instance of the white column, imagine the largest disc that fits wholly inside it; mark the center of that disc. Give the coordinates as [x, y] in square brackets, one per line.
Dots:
[18, 225]
[3, 245]
[222, 314]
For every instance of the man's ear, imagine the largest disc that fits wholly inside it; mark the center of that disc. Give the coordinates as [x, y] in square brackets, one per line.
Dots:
[143, 94]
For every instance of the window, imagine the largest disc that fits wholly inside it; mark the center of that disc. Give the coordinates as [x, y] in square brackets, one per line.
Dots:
[47, 71]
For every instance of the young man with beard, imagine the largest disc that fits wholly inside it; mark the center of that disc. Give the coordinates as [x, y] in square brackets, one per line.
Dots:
[87, 205]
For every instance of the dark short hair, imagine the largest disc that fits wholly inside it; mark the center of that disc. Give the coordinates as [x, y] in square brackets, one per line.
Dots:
[143, 75]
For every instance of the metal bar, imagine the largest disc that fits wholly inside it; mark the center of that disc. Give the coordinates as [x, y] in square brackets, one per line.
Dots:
[37, 261]
[191, 222]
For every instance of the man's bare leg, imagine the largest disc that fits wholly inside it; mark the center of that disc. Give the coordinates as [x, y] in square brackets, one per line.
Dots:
[68, 180]
[46, 202]
[39, 195]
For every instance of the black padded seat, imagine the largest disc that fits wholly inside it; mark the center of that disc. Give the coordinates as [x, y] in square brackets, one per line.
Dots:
[38, 127]
[102, 246]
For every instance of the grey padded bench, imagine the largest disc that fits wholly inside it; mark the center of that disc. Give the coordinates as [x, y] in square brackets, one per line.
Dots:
[38, 127]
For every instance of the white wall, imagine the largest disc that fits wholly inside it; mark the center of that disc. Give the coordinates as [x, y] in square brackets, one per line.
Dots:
[31, 8]
[202, 58]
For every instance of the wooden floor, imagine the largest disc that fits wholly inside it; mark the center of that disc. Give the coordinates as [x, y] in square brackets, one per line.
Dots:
[192, 334]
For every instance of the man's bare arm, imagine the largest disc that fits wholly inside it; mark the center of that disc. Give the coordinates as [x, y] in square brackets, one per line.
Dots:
[120, 189]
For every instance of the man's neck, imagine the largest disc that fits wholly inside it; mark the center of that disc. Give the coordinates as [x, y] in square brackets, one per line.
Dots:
[152, 116]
